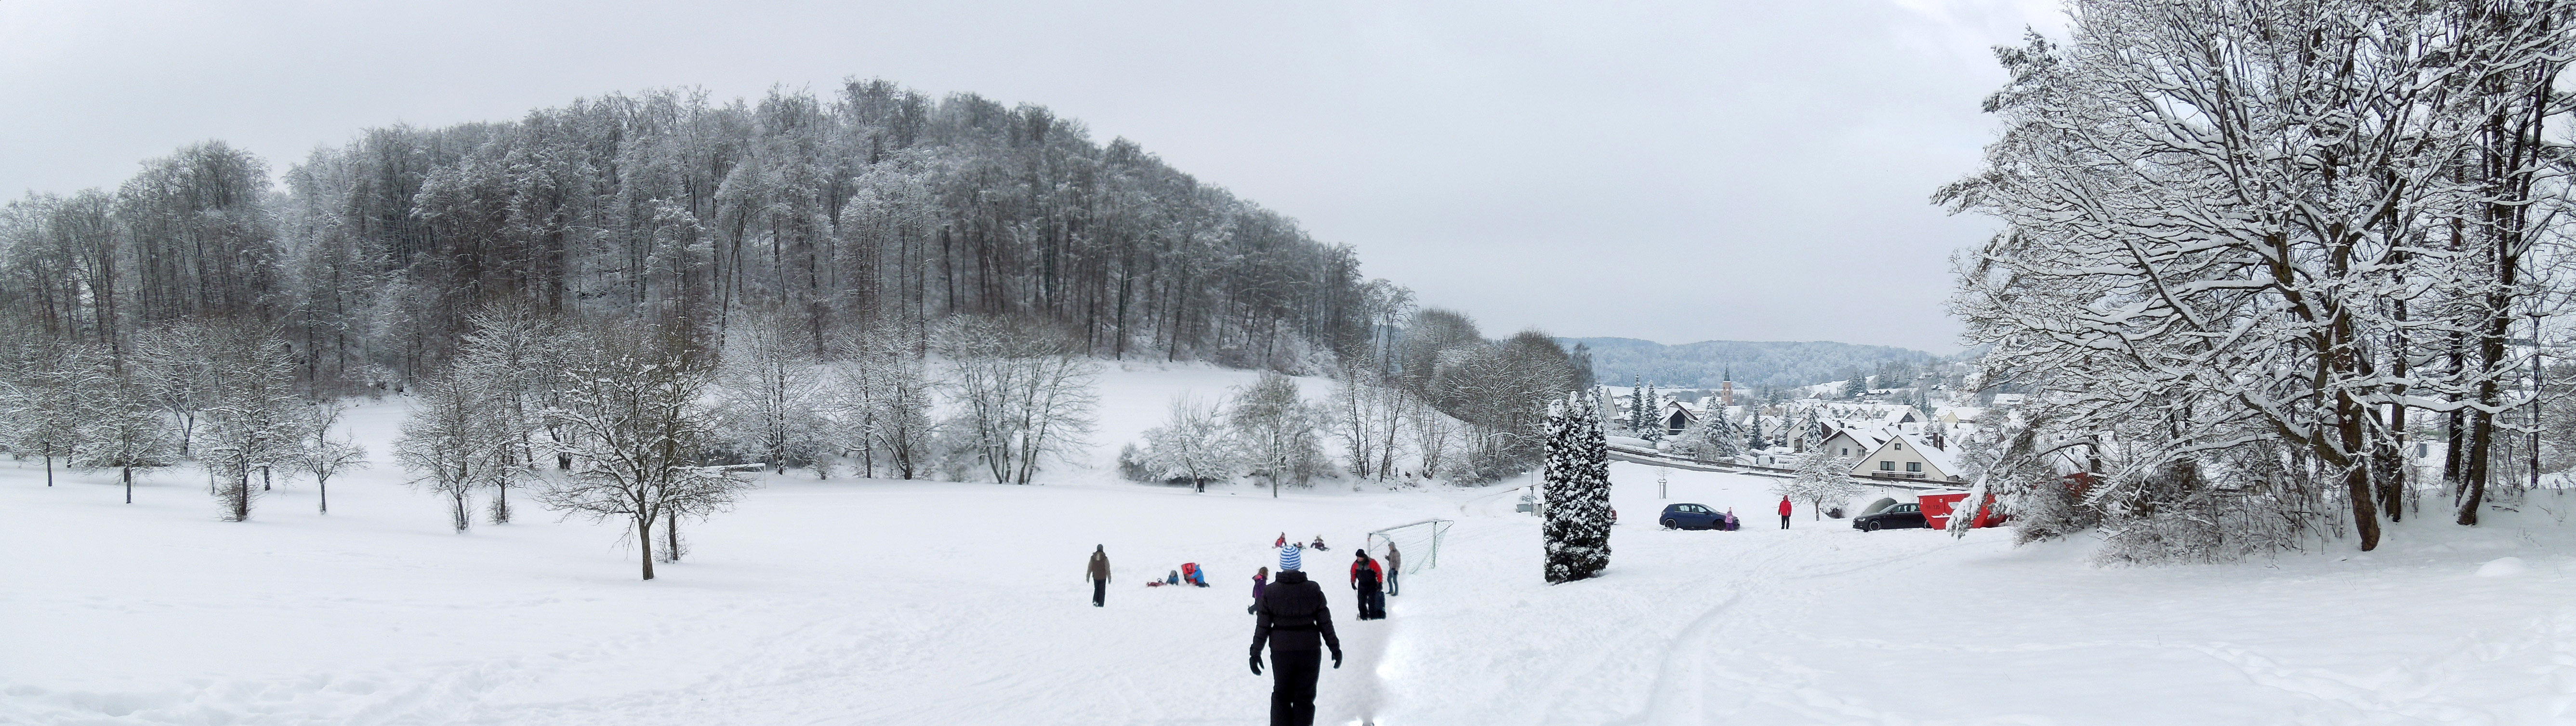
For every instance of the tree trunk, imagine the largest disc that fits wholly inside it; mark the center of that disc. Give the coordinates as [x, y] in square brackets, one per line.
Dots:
[49, 467]
[644, 543]
[129, 485]
[2356, 475]
[324, 484]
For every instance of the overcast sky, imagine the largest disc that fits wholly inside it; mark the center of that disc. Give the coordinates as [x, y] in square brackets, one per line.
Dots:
[1677, 171]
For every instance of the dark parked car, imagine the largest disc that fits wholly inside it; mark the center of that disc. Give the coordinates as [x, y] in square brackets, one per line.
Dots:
[1902, 516]
[1691, 516]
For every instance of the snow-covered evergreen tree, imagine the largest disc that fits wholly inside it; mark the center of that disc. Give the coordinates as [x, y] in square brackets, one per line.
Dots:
[1637, 404]
[1577, 471]
[1714, 437]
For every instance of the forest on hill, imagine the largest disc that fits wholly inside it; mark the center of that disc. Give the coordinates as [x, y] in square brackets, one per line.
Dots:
[871, 205]
[1753, 364]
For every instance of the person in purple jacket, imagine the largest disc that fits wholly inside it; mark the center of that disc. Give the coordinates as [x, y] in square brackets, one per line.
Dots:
[1259, 580]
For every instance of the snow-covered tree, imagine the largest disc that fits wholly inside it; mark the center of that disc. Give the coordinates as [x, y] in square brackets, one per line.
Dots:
[42, 411]
[453, 444]
[1820, 479]
[1277, 431]
[632, 400]
[1577, 472]
[1366, 416]
[2231, 230]
[125, 429]
[178, 361]
[325, 457]
[1714, 437]
[771, 387]
[876, 401]
[1637, 414]
[1195, 445]
[1023, 393]
[505, 360]
[255, 419]
[1433, 434]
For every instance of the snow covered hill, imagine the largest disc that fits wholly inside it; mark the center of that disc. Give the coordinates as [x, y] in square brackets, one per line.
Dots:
[881, 602]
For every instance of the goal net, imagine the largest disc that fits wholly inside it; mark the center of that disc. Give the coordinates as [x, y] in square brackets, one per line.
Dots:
[1419, 543]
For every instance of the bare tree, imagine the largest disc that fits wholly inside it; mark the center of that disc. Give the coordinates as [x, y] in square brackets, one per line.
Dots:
[1277, 431]
[325, 457]
[877, 397]
[454, 444]
[254, 419]
[124, 428]
[771, 386]
[631, 398]
[505, 361]
[1367, 414]
[1022, 393]
[41, 398]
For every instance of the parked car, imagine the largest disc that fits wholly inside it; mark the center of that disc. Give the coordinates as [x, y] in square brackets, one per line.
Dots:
[1691, 516]
[1902, 516]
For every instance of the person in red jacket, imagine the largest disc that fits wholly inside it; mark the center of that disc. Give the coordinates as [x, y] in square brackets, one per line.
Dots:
[1784, 512]
[1367, 578]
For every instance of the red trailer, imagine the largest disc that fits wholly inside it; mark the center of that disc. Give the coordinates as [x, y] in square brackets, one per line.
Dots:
[1937, 507]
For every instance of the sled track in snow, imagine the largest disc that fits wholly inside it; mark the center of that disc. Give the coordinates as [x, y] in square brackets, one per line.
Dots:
[1680, 691]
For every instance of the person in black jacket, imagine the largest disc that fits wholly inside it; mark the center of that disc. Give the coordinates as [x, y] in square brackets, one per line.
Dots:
[1293, 616]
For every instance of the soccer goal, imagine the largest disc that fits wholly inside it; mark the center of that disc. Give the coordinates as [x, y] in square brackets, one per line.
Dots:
[1419, 542]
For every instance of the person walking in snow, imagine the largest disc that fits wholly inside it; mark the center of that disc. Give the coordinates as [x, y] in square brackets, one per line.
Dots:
[1366, 577]
[1784, 512]
[1098, 574]
[1258, 580]
[1394, 567]
[1292, 616]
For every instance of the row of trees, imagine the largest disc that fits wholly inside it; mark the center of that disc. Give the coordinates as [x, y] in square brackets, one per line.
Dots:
[222, 393]
[1267, 430]
[2255, 252]
[870, 207]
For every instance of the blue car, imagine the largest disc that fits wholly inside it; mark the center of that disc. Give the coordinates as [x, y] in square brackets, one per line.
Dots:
[1691, 516]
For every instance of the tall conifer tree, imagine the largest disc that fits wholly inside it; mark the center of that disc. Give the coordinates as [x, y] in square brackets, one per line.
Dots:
[1578, 492]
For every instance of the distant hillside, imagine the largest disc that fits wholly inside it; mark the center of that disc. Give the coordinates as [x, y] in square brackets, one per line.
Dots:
[1704, 364]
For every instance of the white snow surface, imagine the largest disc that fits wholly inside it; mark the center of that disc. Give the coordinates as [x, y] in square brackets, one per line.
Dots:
[878, 602]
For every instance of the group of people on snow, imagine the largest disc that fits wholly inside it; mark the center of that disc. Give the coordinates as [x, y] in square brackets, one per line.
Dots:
[1290, 615]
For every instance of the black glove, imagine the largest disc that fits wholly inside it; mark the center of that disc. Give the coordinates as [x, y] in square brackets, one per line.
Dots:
[1337, 659]
[1256, 664]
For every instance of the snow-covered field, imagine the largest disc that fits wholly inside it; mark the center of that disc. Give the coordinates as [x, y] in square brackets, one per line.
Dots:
[874, 602]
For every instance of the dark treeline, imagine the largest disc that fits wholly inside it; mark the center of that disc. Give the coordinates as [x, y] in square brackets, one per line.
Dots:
[870, 205]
